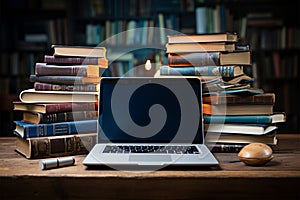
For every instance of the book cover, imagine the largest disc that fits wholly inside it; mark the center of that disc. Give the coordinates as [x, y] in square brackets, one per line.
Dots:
[197, 38]
[79, 51]
[55, 107]
[27, 130]
[34, 96]
[210, 58]
[200, 47]
[66, 80]
[54, 146]
[224, 71]
[59, 87]
[42, 69]
[217, 98]
[50, 59]
[41, 118]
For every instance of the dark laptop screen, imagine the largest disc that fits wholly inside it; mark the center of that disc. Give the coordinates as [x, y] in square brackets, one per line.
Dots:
[148, 110]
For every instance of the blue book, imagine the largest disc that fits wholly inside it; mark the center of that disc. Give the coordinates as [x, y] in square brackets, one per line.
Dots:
[27, 130]
[224, 71]
[244, 119]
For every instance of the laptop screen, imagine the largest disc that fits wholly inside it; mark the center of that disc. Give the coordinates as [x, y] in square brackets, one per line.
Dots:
[150, 110]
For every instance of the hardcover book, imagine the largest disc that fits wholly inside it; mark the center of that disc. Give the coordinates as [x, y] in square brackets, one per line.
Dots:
[215, 37]
[54, 146]
[247, 129]
[27, 130]
[49, 59]
[66, 80]
[210, 58]
[79, 51]
[59, 87]
[217, 98]
[34, 96]
[200, 47]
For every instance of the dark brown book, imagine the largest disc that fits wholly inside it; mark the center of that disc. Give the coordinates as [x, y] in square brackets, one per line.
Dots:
[54, 107]
[214, 37]
[66, 80]
[200, 47]
[265, 98]
[69, 70]
[74, 60]
[210, 58]
[59, 87]
[41, 118]
[54, 146]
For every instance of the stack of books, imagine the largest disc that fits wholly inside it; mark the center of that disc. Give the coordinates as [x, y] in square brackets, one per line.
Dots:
[235, 113]
[60, 112]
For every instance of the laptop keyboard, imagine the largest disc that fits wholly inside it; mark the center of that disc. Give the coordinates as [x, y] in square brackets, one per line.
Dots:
[170, 149]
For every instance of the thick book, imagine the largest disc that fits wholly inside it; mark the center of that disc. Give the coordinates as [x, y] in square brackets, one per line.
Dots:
[55, 146]
[217, 98]
[224, 71]
[214, 37]
[42, 69]
[246, 119]
[200, 47]
[41, 118]
[28, 130]
[66, 80]
[50, 59]
[34, 96]
[55, 107]
[237, 109]
[59, 87]
[210, 58]
[79, 51]
[247, 129]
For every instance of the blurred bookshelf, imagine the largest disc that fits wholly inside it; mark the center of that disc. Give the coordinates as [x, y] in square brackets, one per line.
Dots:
[29, 27]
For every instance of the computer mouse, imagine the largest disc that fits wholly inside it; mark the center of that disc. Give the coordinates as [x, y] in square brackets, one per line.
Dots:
[256, 154]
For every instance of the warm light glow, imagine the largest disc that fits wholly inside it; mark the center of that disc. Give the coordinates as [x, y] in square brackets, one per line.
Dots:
[148, 65]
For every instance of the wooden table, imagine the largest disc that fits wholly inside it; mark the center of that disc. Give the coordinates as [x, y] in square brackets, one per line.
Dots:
[279, 179]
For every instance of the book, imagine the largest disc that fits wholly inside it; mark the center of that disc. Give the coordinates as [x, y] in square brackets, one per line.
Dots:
[210, 58]
[54, 146]
[224, 71]
[225, 147]
[199, 47]
[237, 109]
[34, 96]
[54, 107]
[269, 139]
[213, 37]
[66, 80]
[69, 70]
[28, 130]
[50, 59]
[246, 119]
[79, 51]
[59, 87]
[217, 98]
[247, 129]
[41, 118]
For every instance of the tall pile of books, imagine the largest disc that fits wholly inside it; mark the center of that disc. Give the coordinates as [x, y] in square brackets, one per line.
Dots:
[235, 113]
[60, 112]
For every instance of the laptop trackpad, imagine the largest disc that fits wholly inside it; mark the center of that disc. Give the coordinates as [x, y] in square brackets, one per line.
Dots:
[150, 158]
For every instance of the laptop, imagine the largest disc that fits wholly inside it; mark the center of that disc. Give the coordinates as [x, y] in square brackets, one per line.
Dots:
[145, 121]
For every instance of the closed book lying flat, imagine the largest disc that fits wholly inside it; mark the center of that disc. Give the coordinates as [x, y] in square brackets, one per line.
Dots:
[217, 98]
[92, 87]
[28, 130]
[41, 118]
[246, 129]
[199, 47]
[214, 37]
[210, 58]
[67, 80]
[54, 146]
[81, 51]
[34, 96]
[49, 59]
[55, 107]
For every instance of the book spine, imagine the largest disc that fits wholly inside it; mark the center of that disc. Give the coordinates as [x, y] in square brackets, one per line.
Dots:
[226, 148]
[266, 98]
[65, 107]
[60, 128]
[66, 80]
[67, 116]
[263, 119]
[75, 60]
[73, 70]
[59, 87]
[194, 59]
[224, 71]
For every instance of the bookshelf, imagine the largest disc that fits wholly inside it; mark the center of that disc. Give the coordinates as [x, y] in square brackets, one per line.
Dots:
[29, 27]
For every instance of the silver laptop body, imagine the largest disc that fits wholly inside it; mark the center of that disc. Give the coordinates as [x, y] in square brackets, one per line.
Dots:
[150, 122]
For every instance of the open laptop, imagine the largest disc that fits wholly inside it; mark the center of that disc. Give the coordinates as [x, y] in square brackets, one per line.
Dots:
[150, 122]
